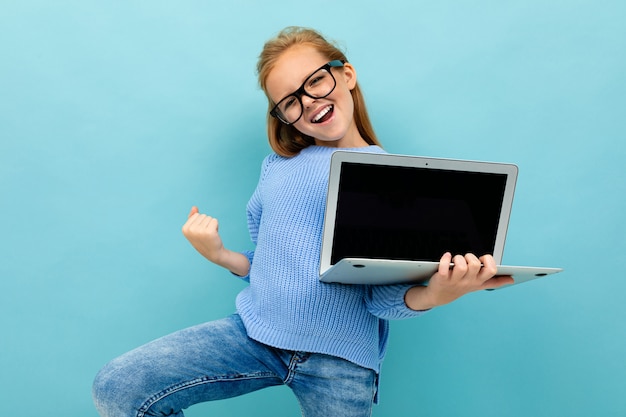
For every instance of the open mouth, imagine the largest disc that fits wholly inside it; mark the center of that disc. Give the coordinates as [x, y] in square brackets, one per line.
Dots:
[324, 115]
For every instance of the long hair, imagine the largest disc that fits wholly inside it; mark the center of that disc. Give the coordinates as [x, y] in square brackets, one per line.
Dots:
[284, 139]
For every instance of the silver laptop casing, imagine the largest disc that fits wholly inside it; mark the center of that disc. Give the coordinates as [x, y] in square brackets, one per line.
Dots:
[393, 271]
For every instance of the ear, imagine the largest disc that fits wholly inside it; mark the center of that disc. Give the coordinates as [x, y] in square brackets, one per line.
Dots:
[349, 75]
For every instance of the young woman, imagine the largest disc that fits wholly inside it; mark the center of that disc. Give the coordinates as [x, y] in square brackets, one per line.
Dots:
[325, 341]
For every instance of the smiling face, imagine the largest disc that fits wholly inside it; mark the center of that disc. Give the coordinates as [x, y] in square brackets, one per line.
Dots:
[329, 120]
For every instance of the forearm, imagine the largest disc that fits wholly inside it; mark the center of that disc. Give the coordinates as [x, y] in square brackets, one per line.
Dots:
[235, 262]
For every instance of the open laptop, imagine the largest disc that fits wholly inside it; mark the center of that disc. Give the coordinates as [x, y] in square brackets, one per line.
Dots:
[389, 218]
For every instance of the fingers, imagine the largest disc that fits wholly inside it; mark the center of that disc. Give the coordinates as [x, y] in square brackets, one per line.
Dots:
[470, 267]
[202, 221]
[464, 266]
[199, 223]
[467, 274]
[198, 220]
[444, 264]
[474, 265]
[194, 210]
[489, 268]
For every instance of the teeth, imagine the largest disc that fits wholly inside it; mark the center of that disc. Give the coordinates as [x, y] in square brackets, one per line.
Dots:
[322, 114]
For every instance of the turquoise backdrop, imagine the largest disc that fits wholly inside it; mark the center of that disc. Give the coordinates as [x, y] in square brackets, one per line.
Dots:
[117, 116]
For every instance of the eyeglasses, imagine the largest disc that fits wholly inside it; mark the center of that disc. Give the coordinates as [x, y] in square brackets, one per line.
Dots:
[317, 85]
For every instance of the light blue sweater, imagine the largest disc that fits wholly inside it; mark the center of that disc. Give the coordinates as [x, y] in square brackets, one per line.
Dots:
[285, 305]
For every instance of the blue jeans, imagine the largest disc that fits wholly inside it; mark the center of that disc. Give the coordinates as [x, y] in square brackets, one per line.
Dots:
[217, 360]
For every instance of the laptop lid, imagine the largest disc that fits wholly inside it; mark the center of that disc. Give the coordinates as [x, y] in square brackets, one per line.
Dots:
[409, 208]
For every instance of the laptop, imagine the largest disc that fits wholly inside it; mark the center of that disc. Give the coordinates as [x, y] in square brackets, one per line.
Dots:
[389, 218]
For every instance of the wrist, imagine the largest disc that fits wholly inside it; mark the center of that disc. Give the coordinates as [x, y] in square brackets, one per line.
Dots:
[419, 298]
[235, 262]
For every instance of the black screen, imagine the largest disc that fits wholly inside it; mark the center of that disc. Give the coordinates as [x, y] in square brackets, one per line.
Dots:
[390, 212]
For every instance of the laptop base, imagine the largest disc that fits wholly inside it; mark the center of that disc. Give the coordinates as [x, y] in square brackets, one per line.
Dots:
[389, 271]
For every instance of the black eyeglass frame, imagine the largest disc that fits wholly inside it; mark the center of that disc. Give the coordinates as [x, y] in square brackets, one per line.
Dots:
[301, 91]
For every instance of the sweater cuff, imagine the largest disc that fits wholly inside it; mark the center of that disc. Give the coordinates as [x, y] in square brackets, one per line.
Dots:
[403, 309]
[388, 302]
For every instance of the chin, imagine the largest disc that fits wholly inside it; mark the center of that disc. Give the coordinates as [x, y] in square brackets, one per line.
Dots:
[328, 141]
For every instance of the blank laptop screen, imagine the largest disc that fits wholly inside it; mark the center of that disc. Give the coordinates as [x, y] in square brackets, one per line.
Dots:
[412, 213]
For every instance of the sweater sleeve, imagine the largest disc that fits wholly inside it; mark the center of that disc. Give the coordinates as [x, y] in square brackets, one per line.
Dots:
[255, 209]
[387, 302]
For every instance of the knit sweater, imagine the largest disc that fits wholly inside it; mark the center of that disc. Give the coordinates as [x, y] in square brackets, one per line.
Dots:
[285, 305]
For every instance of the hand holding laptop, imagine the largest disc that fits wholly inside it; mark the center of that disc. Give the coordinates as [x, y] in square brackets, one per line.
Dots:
[468, 274]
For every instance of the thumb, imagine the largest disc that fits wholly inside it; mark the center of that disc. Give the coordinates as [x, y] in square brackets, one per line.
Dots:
[194, 210]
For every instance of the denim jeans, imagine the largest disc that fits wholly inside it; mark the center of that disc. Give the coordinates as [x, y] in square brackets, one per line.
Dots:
[217, 360]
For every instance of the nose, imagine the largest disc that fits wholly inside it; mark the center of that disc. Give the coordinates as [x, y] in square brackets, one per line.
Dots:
[307, 101]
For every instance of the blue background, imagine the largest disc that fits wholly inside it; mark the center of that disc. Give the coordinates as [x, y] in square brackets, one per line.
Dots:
[117, 116]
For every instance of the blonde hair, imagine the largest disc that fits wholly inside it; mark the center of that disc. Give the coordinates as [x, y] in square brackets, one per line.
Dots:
[284, 139]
